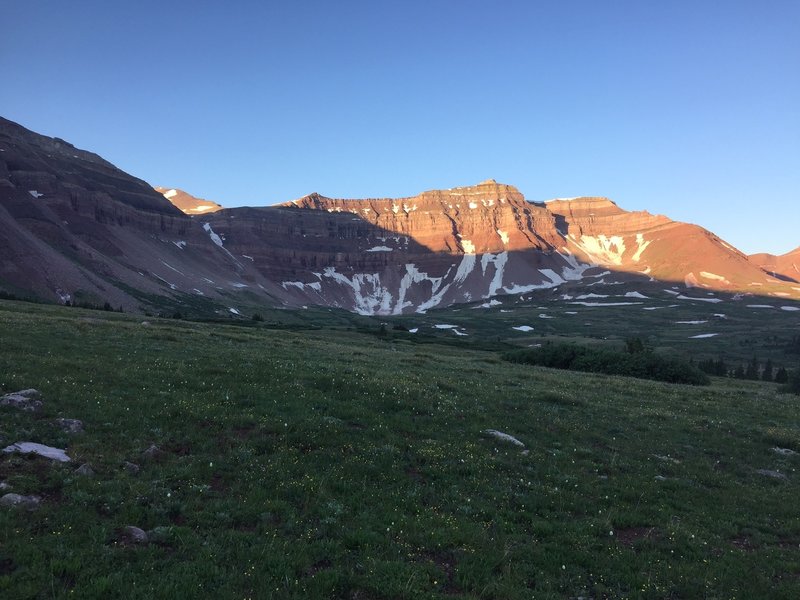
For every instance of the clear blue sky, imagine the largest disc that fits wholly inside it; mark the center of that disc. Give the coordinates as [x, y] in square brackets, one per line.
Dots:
[684, 108]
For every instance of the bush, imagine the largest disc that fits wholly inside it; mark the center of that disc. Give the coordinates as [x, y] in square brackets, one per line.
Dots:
[643, 365]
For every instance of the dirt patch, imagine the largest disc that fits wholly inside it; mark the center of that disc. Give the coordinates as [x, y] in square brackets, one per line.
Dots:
[744, 544]
[7, 566]
[318, 566]
[630, 535]
[446, 563]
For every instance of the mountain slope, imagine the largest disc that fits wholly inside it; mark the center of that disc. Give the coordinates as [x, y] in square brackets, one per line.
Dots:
[786, 266]
[187, 203]
[76, 228]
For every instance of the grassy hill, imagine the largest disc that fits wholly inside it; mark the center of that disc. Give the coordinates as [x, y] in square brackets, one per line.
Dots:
[324, 458]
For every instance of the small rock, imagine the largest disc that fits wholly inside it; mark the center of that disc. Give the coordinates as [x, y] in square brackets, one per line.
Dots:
[660, 478]
[70, 425]
[773, 474]
[784, 451]
[503, 437]
[4, 487]
[18, 501]
[145, 323]
[666, 459]
[28, 400]
[130, 467]
[85, 470]
[40, 449]
[133, 535]
[152, 452]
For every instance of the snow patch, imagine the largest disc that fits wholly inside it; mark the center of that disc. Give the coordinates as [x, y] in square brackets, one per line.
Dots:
[379, 249]
[234, 311]
[602, 249]
[170, 193]
[690, 322]
[181, 244]
[469, 247]
[503, 236]
[636, 295]
[606, 303]
[415, 330]
[35, 194]
[703, 335]
[214, 237]
[445, 326]
[523, 328]
[641, 247]
[713, 276]
[790, 308]
[760, 306]
[544, 316]
[712, 300]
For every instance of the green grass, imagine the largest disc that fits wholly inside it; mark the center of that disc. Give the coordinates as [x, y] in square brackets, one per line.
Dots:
[333, 463]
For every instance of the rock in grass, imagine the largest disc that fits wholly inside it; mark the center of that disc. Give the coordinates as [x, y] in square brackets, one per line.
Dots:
[40, 449]
[132, 535]
[130, 467]
[784, 451]
[84, 470]
[773, 474]
[28, 400]
[503, 437]
[4, 487]
[152, 452]
[70, 425]
[21, 502]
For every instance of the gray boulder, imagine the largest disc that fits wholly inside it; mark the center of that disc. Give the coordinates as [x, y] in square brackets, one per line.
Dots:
[40, 449]
[20, 502]
[28, 400]
[133, 535]
[70, 425]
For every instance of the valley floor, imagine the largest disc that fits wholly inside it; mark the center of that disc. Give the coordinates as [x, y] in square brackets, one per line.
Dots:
[335, 463]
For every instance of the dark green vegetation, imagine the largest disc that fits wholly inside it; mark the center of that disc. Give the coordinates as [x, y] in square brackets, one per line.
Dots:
[318, 457]
[640, 363]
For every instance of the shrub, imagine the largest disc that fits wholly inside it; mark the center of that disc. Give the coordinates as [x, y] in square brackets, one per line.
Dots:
[643, 365]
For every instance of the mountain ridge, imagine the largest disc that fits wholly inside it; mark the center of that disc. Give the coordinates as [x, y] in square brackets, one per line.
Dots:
[76, 228]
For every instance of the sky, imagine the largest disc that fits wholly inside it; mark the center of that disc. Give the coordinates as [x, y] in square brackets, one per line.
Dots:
[684, 108]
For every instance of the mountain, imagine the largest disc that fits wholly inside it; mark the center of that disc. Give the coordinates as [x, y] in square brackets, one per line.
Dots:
[187, 203]
[785, 266]
[76, 228]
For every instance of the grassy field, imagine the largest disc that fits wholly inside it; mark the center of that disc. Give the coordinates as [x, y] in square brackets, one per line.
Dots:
[323, 459]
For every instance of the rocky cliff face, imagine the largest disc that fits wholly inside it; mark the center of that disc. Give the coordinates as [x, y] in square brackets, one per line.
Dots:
[74, 227]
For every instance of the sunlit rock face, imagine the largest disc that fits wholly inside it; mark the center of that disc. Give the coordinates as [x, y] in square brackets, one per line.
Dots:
[76, 228]
[187, 203]
[786, 266]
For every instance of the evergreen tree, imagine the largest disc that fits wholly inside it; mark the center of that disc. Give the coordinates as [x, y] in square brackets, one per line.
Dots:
[766, 375]
[781, 376]
[752, 369]
[739, 372]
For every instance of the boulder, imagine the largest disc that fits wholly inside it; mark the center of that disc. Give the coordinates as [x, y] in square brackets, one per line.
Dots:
[33, 448]
[85, 470]
[130, 467]
[21, 502]
[70, 425]
[133, 535]
[28, 400]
